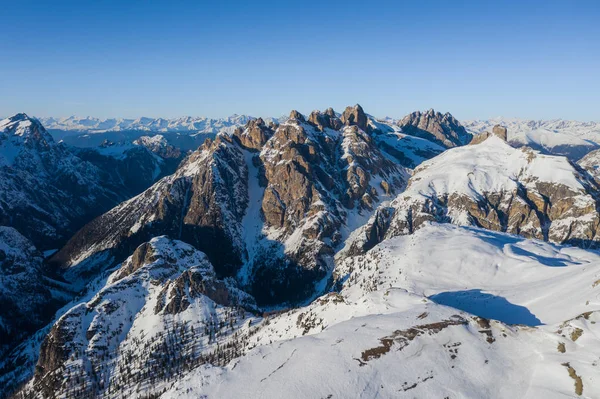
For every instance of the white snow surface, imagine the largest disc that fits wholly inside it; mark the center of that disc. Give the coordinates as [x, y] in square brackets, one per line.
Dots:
[557, 136]
[389, 333]
[490, 167]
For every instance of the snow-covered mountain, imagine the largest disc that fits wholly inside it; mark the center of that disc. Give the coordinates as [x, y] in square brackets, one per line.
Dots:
[160, 125]
[48, 189]
[401, 324]
[558, 137]
[270, 204]
[328, 255]
[498, 187]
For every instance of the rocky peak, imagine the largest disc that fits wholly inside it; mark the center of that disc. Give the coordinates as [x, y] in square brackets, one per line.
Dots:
[159, 145]
[295, 115]
[325, 120]
[498, 131]
[254, 135]
[355, 116]
[440, 128]
[22, 128]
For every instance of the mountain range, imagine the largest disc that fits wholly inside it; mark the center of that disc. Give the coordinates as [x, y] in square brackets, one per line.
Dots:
[326, 255]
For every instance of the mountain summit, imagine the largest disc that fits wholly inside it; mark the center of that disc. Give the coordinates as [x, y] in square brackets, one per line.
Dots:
[442, 129]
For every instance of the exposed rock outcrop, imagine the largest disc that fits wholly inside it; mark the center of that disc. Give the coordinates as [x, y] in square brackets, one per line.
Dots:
[325, 120]
[442, 129]
[273, 217]
[355, 116]
[499, 131]
[254, 135]
[496, 187]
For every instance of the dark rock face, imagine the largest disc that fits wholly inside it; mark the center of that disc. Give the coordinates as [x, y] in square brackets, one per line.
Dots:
[54, 352]
[442, 129]
[136, 170]
[48, 190]
[201, 204]
[25, 299]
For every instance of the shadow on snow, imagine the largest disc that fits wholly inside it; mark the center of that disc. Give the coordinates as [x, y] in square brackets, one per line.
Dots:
[487, 305]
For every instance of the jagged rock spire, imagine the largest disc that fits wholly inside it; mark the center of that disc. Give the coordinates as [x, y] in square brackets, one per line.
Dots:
[440, 128]
[297, 116]
[323, 120]
[355, 116]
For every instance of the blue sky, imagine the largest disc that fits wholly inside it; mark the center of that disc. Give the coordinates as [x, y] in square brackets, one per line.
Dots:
[476, 59]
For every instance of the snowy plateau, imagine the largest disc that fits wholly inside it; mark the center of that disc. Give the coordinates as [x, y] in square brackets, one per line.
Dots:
[329, 255]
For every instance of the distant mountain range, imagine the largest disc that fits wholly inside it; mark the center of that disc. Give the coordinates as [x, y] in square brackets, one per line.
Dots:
[161, 125]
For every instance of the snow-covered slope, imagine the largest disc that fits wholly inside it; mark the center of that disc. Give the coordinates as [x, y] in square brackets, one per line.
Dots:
[165, 298]
[495, 186]
[559, 137]
[396, 328]
[407, 321]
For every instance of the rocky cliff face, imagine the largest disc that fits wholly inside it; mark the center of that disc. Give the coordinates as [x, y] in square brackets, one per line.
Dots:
[497, 187]
[442, 129]
[133, 167]
[201, 203]
[269, 204]
[26, 299]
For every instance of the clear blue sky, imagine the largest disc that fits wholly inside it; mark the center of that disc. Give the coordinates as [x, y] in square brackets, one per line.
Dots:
[476, 59]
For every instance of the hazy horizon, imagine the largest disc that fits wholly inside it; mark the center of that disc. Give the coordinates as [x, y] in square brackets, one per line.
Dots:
[305, 113]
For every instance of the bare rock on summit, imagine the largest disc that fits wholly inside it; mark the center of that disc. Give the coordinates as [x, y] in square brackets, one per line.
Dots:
[442, 129]
[254, 135]
[295, 115]
[498, 131]
[325, 120]
[501, 132]
[355, 116]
